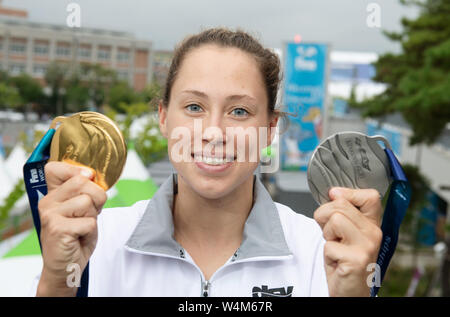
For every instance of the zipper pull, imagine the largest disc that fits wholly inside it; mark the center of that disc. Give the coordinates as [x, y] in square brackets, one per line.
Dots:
[205, 288]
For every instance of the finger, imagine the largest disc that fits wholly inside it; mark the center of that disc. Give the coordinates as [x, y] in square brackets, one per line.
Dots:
[81, 227]
[340, 228]
[367, 200]
[70, 227]
[337, 253]
[334, 251]
[57, 173]
[79, 206]
[79, 185]
[324, 212]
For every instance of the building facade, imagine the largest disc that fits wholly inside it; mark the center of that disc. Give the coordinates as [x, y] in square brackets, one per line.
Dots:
[29, 47]
[161, 65]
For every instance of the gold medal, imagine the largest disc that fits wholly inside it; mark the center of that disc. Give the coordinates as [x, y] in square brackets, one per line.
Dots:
[92, 140]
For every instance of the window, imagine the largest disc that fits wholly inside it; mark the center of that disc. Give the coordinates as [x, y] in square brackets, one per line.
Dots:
[16, 69]
[123, 56]
[122, 75]
[17, 48]
[39, 70]
[84, 52]
[41, 49]
[104, 54]
[63, 51]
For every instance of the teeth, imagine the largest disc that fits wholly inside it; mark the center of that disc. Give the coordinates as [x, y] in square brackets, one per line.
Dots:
[213, 160]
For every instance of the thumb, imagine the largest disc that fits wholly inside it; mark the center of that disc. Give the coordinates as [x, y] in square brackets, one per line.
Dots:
[56, 173]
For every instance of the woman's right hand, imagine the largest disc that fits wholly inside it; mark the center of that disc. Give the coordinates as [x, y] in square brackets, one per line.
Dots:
[68, 225]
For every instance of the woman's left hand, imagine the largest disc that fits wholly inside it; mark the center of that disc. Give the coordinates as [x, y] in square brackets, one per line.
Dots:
[351, 228]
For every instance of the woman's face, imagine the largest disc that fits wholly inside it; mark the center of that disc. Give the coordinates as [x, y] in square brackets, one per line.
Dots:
[216, 117]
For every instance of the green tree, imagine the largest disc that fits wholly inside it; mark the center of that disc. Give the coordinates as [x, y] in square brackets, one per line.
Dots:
[420, 185]
[149, 143]
[55, 78]
[78, 87]
[121, 95]
[77, 91]
[4, 76]
[99, 81]
[151, 93]
[9, 96]
[121, 92]
[29, 89]
[417, 79]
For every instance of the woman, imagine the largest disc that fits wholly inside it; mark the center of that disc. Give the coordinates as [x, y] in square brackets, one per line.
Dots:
[212, 228]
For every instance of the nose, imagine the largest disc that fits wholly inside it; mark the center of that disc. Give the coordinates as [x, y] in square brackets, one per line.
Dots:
[214, 131]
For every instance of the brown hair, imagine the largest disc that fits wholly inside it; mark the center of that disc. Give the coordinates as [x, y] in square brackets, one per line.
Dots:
[268, 61]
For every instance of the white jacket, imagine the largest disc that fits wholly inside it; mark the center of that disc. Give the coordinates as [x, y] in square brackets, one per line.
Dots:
[281, 253]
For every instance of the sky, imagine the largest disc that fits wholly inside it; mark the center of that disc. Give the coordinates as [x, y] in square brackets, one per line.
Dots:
[340, 23]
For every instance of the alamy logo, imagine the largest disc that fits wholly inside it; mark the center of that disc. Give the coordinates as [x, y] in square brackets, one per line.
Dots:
[265, 291]
[74, 18]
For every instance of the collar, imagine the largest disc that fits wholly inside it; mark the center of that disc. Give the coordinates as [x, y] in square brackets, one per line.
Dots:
[263, 234]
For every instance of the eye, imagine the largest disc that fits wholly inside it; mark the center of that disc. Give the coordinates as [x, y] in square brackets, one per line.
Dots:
[239, 112]
[193, 107]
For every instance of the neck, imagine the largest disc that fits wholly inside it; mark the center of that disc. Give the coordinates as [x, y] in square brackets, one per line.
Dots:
[207, 223]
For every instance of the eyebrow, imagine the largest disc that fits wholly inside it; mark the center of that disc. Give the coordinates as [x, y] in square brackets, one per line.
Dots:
[229, 98]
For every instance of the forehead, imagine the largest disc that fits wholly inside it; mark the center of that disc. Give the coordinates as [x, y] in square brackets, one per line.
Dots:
[220, 70]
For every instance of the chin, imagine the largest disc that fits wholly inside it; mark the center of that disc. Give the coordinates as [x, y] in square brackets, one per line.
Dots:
[208, 191]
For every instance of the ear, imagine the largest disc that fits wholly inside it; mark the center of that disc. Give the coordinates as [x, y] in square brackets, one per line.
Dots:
[272, 128]
[162, 111]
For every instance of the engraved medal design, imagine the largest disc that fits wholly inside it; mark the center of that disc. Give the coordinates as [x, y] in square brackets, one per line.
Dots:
[93, 140]
[348, 159]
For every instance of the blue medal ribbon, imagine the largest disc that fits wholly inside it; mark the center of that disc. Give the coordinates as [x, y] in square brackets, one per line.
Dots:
[36, 186]
[396, 206]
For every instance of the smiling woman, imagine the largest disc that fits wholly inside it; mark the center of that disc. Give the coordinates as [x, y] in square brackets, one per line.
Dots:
[225, 80]
[211, 229]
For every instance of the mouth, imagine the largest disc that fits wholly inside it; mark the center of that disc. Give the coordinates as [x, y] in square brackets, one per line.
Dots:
[213, 160]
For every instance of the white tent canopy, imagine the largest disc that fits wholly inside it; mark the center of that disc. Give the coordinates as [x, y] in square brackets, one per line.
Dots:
[134, 168]
[15, 162]
[6, 185]
[13, 166]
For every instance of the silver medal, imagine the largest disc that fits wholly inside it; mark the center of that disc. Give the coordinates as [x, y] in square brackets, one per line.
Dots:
[348, 159]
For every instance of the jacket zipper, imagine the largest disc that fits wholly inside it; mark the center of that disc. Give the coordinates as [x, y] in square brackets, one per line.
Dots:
[205, 288]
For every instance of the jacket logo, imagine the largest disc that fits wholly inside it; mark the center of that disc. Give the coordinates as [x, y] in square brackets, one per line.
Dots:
[264, 291]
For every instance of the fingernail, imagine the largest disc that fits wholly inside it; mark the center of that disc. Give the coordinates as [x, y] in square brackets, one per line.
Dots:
[87, 173]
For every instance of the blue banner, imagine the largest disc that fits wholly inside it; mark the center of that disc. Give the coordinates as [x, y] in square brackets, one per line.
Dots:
[304, 96]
